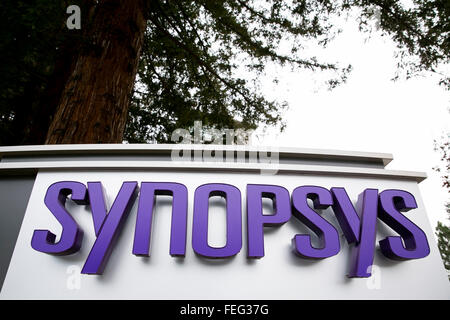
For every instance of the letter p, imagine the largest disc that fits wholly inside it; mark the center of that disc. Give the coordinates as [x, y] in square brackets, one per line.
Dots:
[256, 220]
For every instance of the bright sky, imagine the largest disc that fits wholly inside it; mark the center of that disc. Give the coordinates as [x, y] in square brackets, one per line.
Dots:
[368, 113]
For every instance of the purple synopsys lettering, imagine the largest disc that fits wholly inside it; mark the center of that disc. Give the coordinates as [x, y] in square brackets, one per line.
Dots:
[200, 220]
[149, 190]
[111, 226]
[256, 220]
[327, 234]
[72, 235]
[358, 223]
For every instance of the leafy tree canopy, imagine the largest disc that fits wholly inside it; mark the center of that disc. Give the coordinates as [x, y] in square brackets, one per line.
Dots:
[194, 55]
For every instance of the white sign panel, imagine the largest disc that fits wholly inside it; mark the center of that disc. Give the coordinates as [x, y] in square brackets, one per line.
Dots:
[171, 273]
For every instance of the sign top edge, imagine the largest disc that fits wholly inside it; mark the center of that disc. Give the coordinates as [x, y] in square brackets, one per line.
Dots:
[288, 152]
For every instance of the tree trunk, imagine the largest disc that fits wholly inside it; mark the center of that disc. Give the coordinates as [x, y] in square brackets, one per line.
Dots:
[94, 103]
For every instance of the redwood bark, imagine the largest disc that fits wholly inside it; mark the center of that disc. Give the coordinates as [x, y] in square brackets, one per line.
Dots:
[94, 103]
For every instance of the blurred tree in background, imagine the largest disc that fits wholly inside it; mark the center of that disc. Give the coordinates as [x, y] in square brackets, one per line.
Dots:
[443, 233]
[442, 230]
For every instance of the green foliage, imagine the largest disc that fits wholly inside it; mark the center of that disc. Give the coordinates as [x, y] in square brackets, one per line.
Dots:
[443, 147]
[196, 54]
[421, 31]
[206, 44]
[32, 35]
[443, 234]
[202, 60]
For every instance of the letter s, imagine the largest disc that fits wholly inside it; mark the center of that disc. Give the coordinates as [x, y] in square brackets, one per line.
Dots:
[326, 232]
[72, 235]
[416, 244]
